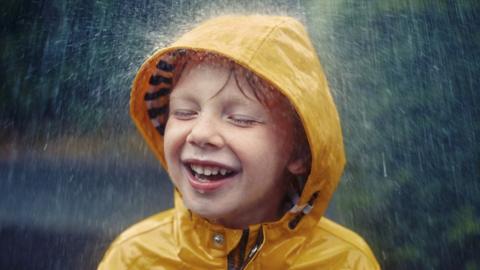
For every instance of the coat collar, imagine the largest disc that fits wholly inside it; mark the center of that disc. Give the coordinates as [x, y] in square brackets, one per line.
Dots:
[198, 238]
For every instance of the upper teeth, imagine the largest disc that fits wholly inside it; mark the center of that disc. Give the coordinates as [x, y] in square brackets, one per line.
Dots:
[207, 170]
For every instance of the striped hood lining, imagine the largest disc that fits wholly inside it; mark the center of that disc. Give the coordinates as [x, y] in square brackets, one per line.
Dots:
[160, 85]
[276, 49]
[164, 78]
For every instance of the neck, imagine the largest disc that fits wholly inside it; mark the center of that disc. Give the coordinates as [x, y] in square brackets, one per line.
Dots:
[244, 219]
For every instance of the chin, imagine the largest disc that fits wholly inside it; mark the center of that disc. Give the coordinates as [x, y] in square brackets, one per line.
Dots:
[207, 211]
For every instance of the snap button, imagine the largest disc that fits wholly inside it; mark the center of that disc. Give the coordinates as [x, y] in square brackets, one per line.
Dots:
[218, 239]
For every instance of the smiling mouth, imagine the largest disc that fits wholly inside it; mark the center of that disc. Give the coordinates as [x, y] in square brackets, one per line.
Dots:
[209, 173]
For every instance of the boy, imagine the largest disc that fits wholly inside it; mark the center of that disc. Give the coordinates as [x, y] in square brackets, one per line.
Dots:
[239, 113]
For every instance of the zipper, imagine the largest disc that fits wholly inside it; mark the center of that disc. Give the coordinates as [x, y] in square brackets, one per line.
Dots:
[236, 258]
[256, 247]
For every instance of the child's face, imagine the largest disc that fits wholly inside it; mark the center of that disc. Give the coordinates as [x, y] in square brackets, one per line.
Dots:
[226, 152]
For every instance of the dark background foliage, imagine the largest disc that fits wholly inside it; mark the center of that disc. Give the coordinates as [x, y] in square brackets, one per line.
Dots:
[74, 172]
[405, 76]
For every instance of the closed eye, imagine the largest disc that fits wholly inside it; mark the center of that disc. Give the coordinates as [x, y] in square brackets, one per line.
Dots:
[184, 114]
[242, 121]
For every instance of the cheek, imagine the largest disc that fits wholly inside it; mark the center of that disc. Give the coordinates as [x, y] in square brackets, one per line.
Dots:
[167, 144]
[172, 141]
[282, 134]
[172, 146]
[263, 150]
[279, 140]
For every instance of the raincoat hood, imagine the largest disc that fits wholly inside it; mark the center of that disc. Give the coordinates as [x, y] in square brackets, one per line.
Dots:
[278, 50]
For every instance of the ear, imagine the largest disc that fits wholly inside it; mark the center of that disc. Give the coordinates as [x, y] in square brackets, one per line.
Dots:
[297, 166]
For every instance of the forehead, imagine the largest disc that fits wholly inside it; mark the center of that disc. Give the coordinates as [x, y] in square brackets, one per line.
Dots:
[200, 70]
[211, 79]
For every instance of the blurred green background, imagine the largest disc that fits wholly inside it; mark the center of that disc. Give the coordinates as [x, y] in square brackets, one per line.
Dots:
[74, 172]
[406, 79]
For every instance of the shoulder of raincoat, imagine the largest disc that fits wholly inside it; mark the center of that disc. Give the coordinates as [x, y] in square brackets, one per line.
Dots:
[278, 50]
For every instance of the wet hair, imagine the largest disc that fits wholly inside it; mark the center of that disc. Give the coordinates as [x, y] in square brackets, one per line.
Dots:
[262, 90]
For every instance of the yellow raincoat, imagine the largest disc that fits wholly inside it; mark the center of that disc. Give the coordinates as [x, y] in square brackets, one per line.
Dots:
[278, 50]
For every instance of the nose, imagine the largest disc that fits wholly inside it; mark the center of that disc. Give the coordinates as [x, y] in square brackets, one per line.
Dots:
[205, 133]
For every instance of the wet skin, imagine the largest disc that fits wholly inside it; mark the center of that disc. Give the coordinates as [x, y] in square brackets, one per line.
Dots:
[226, 152]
